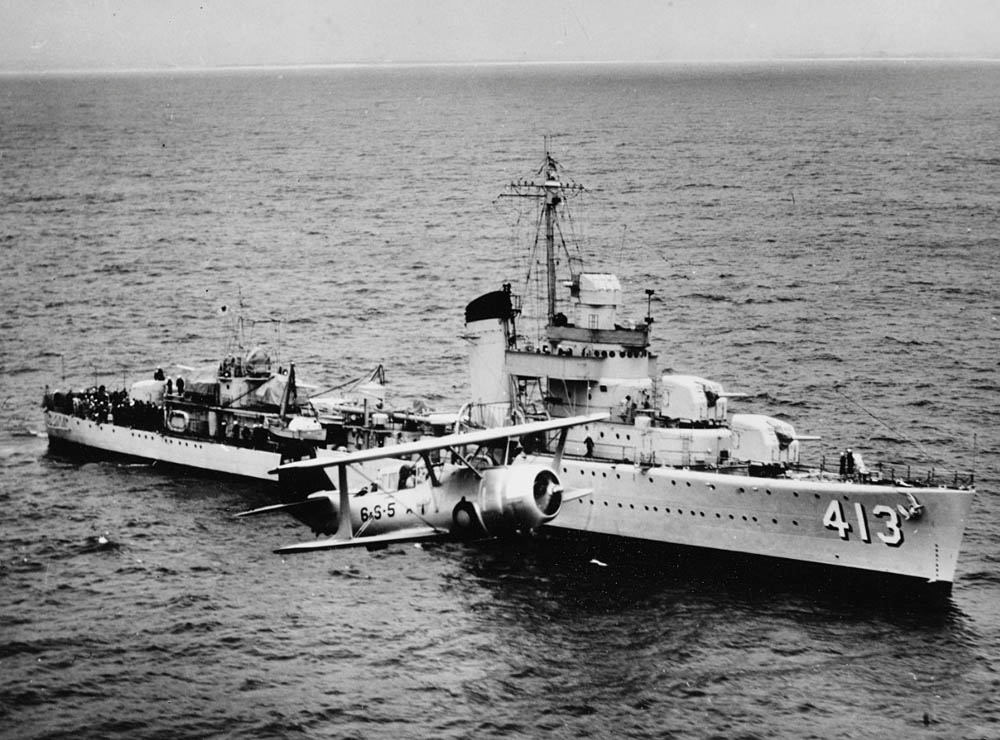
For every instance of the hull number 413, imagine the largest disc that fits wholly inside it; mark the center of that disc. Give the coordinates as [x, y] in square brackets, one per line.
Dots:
[886, 524]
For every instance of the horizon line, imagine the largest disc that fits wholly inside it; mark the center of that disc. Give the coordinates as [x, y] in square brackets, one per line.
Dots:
[85, 71]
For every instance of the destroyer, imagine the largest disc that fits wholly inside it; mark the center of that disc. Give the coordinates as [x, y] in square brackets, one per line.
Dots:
[240, 417]
[672, 465]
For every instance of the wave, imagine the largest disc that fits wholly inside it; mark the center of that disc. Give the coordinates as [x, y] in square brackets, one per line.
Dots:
[713, 297]
[707, 186]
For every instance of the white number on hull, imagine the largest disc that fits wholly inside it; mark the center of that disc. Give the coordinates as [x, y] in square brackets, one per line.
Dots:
[835, 519]
[859, 514]
[894, 536]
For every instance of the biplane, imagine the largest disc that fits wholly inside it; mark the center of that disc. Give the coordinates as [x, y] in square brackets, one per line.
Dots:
[492, 491]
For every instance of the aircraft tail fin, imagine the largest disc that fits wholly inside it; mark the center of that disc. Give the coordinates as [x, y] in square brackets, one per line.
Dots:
[297, 484]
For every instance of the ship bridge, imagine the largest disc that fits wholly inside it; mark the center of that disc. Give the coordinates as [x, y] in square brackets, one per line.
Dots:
[595, 330]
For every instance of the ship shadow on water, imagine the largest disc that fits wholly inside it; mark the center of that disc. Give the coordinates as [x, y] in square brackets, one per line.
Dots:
[161, 474]
[602, 573]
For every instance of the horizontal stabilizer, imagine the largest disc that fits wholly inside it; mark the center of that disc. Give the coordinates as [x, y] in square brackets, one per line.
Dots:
[417, 534]
[318, 512]
[321, 501]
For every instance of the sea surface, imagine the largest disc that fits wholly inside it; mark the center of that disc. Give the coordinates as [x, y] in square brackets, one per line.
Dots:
[824, 237]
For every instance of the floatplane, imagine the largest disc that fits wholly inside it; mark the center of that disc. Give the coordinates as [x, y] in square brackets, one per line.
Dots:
[494, 491]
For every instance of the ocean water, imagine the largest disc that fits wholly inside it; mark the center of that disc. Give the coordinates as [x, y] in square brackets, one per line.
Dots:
[822, 237]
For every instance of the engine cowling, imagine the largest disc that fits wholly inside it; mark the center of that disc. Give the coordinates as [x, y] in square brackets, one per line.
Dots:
[518, 498]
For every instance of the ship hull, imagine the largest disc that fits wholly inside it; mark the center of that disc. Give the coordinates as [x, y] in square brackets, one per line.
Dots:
[83, 435]
[78, 436]
[849, 526]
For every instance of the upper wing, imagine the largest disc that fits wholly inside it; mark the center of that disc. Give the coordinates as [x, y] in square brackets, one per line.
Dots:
[439, 443]
[415, 534]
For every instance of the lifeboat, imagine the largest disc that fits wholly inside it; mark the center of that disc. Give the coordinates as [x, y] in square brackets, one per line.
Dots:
[177, 421]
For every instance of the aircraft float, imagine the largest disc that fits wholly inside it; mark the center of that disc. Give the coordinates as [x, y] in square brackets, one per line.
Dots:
[468, 497]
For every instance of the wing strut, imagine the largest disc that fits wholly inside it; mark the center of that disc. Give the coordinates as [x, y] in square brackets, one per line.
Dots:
[435, 482]
[557, 458]
[344, 527]
[465, 461]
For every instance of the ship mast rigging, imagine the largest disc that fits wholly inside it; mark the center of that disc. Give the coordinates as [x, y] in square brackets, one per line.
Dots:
[552, 192]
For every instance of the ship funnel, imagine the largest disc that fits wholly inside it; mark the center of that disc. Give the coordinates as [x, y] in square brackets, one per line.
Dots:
[489, 323]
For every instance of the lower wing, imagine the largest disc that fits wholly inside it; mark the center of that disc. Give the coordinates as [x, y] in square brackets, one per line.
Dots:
[415, 534]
